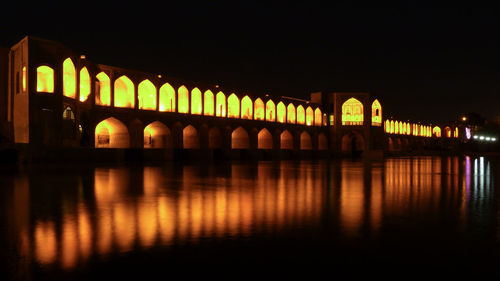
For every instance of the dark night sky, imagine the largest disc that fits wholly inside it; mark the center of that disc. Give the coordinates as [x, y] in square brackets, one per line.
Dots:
[429, 65]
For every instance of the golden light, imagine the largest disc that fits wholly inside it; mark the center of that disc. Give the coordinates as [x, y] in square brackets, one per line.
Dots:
[84, 84]
[220, 105]
[464, 118]
[156, 135]
[376, 113]
[259, 109]
[69, 78]
[309, 116]
[301, 115]
[246, 108]
[147, 95]
[233, 106]
[290, 114]
[124, 92]
[387, 126]
[44, 79]
[167, 98]
[352, 112]
[208, 103]
[239, 139]
[286, 140]
[183, 99]
[281, 112]
[24, 78]
[436, 131]
[270, 111]
[103, 89]
[318, 115]
[196, 101]
[392, 127]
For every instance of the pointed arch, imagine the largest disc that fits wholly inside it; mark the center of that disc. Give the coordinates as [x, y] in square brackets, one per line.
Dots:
[44, 79]
[196, 105]
[259, 109]
[322, 142]
[167, 98]
[309, 116]
[290, 114]
[146, 95]
[208, 103]
[436, 131]
[239, 139]
[124, 92]
[301, 115]
[220, 105]
[111, 133]
[214, 138]
[318, 115]
[396, 127]
[387, 128]
[69, 78]
[305, 141]
[264, 139]
[286, 140]
[281, 112]
[352, 112]
[246, 108]
[84, 84]
[103, 89]
[157, 135]
[376, 113]
[183, 99]
[233, 106]
[270, 111]
[392, 127]
[190, 138]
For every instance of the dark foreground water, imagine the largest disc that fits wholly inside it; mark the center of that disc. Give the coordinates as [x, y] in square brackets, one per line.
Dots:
[401, 217]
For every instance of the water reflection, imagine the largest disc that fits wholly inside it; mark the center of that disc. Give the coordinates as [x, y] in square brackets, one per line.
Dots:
[63, 220]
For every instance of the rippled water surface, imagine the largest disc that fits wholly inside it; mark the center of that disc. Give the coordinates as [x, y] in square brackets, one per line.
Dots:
[397, 217]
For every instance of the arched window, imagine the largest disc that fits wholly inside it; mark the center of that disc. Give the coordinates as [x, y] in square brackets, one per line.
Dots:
[455, 132]
[270, 111]
[259, 109]
[68, 114]
[392, 127]
[124, 92]
[301, 115]
[281, 112]
[196, 106]
[84, 84]
[233, 106]
[387, 126]
[396, 127]
[147, 95]
[246, 108]
[69, 78]
[220, 105]
[309, 116]
[290, 113]
[44, 79]
[208, 103]
[183, 98]
[436, 131]
[103, 89]
[24, 78]
[167, 98]
[317, 117]
[352, 112]
[157, 135]
[376, 113]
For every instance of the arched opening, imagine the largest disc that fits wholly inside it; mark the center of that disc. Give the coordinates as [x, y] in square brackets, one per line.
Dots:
[157, 135]
[305, 141]
[436, 131]
[309, 116]
[69, 78]
[281, 112]
[68, 123]
[208, 103]
[322, 142]
[455, 132]
[68, 114]
[290, 114]
[147, 95]
[259, 109]
[401, 128]
[190, 138]
[270, 111]
[124, 92]
[233, 106]
[301, 115]
[376, 113]
[44, 79]
[246, 108]
[396, 127]
[318, 117]
[265, 139]
[214, 138]
[111, 133]
[183, 99]
[392, 127]
[84, 84]
[220, 105]
[353, 142]
[103, 89]
[352, 112]
[387, 126]
[167, 98]
[196, 101]
[390, 144]
[286, 140]
[239, 139]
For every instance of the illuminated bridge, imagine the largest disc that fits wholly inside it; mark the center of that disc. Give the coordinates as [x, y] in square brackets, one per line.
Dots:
[57, 98]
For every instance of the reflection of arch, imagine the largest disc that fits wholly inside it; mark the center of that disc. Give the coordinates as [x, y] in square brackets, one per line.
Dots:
[157, 135]
[233, 106]
[286, 140]
[352, 112]
[190, 138]
[305, 141]
[103, 91]
[239, 139]
[322, 142]
[196, 106]
[220, 105]
[214, 138]
[246, 108]
[309, 116]
[111, 133]
[270, 111]
[352, 142]
[317, 117]
[265, 139]
[208, 103]
[376, 113]
[124, 92]
[183, 99]
[290, 114]
[44, 79]
[84, 84]
[281, 112]
[301, 115]
[167, 98]
[258, 109]
[69, 78]
[146, 94]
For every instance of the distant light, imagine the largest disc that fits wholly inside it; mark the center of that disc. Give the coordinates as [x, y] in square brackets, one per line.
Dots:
[481, 138]
[464, 118]
[467, 133]
[493, 139]
[159, 75]
[475, 137]
[487, 138]
[82, 57]
[216, 86]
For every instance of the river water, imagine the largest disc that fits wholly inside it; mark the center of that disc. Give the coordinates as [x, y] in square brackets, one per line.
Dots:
[401, 217]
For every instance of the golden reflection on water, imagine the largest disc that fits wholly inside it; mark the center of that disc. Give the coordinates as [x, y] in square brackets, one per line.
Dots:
[129, 209]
